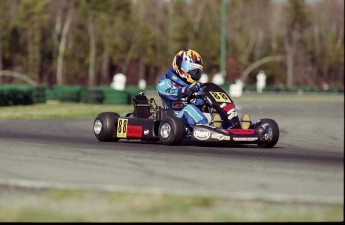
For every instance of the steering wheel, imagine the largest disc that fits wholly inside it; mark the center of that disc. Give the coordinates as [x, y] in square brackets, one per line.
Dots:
[191, 95]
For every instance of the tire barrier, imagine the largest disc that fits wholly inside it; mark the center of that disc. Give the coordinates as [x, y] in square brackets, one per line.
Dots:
[293, 89]
[92, 95]
[20, 94]
[14, 94]
[132, 91]
[39, 95]
[52, 94]
[64, 93]
[115, 97]
[105, 95]
[69, 93]
[11, 94]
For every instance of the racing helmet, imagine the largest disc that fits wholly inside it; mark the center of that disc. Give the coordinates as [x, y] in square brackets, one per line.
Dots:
[188, 65]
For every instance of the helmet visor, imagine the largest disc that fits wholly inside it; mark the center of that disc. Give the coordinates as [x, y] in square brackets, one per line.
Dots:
[195, 74]
[193, 69]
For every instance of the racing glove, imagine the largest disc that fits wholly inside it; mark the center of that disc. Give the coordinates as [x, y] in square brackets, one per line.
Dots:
[195, 87]
[182, 92]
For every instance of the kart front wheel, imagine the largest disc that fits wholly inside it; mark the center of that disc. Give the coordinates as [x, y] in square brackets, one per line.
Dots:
[104, 126]
[272, 133]
[171, 131]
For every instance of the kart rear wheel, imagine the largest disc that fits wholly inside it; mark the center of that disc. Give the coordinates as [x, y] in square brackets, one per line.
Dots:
[273, 133]
[104, 126]
[171, 131]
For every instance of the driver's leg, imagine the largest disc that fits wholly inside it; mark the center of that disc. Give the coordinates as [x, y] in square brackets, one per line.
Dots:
[191, 115]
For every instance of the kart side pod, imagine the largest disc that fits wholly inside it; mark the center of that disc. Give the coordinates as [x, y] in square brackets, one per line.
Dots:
[265, 134]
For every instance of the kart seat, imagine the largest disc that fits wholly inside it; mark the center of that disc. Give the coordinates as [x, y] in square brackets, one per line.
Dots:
[216, 120]
[141, 106]
[245, 121]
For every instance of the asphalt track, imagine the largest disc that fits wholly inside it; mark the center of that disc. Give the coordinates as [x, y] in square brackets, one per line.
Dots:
[306, 165]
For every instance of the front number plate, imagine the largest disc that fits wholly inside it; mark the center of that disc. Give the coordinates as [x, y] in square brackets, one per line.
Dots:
[220, 96]
[122, 125]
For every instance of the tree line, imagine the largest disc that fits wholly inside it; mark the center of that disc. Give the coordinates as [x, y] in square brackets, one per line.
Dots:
[86, 42]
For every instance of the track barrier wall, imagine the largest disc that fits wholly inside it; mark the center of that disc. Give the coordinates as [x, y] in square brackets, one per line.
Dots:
[22, 94]
[17, 94]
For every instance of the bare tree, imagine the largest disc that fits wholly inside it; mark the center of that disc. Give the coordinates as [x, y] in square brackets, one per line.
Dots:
[92, 55]
[62, 45]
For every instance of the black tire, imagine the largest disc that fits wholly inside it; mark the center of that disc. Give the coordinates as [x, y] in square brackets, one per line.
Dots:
[104, 126]
[171, 131]
[275, 133]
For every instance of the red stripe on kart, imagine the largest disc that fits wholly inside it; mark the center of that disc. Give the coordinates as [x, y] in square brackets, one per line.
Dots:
[134, 131]
[242, 131]
[228, 107]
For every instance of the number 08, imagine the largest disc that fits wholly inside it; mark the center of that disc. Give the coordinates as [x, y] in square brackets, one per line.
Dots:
[122, 128]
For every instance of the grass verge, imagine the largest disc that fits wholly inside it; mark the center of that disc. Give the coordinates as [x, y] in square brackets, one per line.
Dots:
[66, 205]
[57, 110]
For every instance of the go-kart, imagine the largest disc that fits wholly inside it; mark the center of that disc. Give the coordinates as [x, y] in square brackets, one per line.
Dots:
[150, 122]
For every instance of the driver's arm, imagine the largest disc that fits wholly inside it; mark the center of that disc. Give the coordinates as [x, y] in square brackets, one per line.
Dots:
[167, 90]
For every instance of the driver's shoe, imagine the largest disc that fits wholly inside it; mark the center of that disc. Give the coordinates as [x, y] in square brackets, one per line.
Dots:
[245, 121]
[188, 133]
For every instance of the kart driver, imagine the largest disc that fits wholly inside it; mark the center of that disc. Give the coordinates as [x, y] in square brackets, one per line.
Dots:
[179, 80]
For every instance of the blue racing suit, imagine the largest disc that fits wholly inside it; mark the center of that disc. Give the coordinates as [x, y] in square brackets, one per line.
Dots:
[172, 89]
